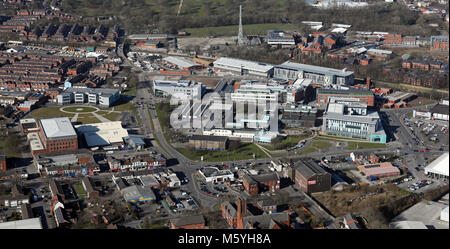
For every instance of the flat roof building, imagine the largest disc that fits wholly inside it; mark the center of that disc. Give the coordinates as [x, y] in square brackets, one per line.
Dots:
[350, 95]
[103, 134]
[379, 170]
[96, 96]
[320, 75]
[243, 67]
[55, 134]
[439, 167]
[33, 223]
[138, 194]
[213, 174]
[280, 38]
[182, 63]
[183, 89]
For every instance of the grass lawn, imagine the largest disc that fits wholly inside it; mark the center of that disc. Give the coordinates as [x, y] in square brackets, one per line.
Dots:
[356, 145]
[113, 116]
[289, 142]
[316, 145]
[250, 29]
[334, 138]
[80, 190]
[50, 112]
[79, 109]
[87, 119]
[244, 152]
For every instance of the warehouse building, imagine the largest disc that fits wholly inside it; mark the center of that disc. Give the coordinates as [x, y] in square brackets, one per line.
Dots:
[183, 89]
[308, 175]
[243, 67]
[343, 121]
[438, 169]
[214, 175]
[103, 134]
[319, 75]
[33, 223]
[136, 194]
[96, 96]
[351, 95]
[203, 142]
[182, 63]
[379, 170]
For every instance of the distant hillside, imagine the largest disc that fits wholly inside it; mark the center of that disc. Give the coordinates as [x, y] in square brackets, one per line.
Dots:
[146, 15]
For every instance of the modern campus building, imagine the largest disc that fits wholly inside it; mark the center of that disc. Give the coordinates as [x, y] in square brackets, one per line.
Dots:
[341, 96]
[299, 116]
[183, 89]
[243, 67]
[96, 96]
[55, 134]
[354, 122]
[251, 91]
[319, 75]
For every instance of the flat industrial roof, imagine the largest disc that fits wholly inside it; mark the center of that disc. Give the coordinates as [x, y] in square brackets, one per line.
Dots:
[35, 141]
[58, 127]
[100, 134]
[181, 62]
[251, 65]
[314, 69]
[34, 223]
[439, 166]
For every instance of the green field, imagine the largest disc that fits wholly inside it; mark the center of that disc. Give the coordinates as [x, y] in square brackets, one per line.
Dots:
[87, 119]
[79, 109]
[251, 29]
[244, 152]
[288, 142]
[315, 146]
[356, 145]
[50, 112]
[80, 190]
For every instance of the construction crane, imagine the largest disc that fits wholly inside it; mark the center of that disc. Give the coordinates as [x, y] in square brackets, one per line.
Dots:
[179, 8]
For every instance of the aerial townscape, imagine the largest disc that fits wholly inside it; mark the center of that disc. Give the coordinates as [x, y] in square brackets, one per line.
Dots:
[224, 114]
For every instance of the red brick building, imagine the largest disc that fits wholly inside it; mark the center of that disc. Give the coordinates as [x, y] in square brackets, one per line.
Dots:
[439, 43]
[261, 183]
[2, 161]
[188, 222]
[58, 134]
[364, 96]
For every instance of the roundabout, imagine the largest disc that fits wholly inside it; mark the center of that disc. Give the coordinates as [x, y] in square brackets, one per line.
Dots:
[79, 109]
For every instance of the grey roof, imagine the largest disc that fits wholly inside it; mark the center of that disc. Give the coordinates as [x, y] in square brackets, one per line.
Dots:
[188, 220]
[265, 221]
[134, 192]
[56, 188]
[371, 118]
[441, 109]
[314, 69]
[265, 177]
[57, 127]
[88, 183]
[351, 91]
[309, 168]
[34, 223]
[239, 63]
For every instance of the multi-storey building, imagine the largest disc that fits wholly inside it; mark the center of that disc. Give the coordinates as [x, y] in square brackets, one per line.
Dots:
[58, 134]
[363, 96]
[96, 96]
[345, 121]
[319, 75]
[439, 43]
[183, 89]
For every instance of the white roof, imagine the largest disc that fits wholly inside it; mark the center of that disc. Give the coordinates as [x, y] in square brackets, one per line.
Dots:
[339, 30]
[439, 166]
[100, 134]
[57, 127]
[181, 62]
[35, 141]
[406, 224]
[252, 65]
[34, 223]
[379, 51]
[335, 108]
